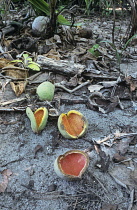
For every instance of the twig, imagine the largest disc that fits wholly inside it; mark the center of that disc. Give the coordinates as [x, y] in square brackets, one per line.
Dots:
[118, 181]
[12, 101]
[59, 85]
[131, 200]
[105, 139]
[75, 203]
[101, 184]
[114, 136]
[10, 109]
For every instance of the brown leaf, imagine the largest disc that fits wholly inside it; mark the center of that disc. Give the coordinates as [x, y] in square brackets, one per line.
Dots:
[6, 172]
[3, 62]
[3, 185]
[53, 54]
[37, 149]
[123, 145]
[118, 158]
[18, 87]
[132, 82]
[104, 161]
[15, 72]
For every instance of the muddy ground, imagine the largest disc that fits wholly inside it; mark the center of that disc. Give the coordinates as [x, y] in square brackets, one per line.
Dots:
[106, 185]
[34, 184]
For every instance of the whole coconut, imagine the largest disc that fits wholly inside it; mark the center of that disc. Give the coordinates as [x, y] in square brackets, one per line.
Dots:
[46, 91]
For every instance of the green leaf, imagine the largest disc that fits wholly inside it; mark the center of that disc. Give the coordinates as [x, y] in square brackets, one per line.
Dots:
[34, 66]
[16, 61]
[94, 51]
[25, 56]
[63, 21]
[41, 5]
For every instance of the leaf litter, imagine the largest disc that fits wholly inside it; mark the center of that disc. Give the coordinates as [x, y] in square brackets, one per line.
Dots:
[87, 81]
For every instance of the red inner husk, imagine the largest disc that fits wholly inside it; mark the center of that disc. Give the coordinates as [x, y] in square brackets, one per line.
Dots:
[38, 116]
[73, 163]
[73, 123]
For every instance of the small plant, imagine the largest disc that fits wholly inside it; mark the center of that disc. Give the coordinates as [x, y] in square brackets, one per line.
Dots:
[88, 4]
[119, 53]
[106, 8]
[94, 50]
[50, 10]
[28, 63]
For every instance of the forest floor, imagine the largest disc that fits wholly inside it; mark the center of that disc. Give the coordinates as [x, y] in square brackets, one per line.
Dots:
[108, 101]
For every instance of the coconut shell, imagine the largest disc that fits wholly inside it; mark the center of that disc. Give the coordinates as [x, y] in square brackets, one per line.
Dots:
[72, 125]
[72, 164]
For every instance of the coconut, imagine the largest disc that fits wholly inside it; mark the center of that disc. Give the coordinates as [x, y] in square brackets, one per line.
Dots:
[38, 119]
[72, 164]
[45, 91]
[72, 125]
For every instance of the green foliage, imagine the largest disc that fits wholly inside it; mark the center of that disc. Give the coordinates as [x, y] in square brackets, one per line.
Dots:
[120, 52]
[94, 50]
[62, 20]
[27, 62]
[44, 7]
[106, 8]
[88, 3]
[41, 5]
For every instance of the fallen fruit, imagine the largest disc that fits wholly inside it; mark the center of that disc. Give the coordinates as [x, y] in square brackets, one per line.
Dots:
[45, 91]
[38, 119]
[72, 125]
[72, 164]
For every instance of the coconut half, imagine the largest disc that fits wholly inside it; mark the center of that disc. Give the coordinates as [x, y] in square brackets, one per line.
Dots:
[72, 125]
[72, 164]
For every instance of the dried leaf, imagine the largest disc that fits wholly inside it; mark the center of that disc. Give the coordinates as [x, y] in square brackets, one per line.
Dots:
[15, 72]
[118, 158]
[18, 87]
[4, 62]
[53, 54]
[93, 88]
[123, 145]
[104, 161]
[108, 84]
[37, 149]
[3, 185]
[132, 82]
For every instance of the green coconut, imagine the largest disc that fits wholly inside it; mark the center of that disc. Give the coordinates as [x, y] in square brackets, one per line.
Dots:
[46, 91]
[38, 119]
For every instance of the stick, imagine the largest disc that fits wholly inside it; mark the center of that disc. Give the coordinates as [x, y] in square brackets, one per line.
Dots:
[73, 90]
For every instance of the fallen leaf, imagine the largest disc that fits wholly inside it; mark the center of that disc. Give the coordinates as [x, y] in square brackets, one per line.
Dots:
[93, 88]
[37, 149]
[4, 62]
[103, 163]
[15, 72]
[53, 54]
[132, 82]
[118, 158]
[6, 174]
[108, 84]
[123, 144]
[18, 87]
